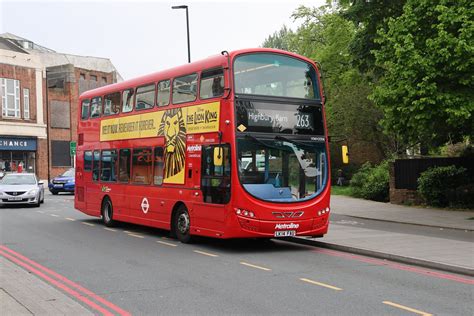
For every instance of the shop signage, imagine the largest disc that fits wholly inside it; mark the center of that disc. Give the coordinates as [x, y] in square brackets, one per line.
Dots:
[17, 143]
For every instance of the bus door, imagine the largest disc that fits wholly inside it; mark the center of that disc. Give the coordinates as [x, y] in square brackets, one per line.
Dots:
[120, 203]
[108, 180]
[92, 191]
[215, 186]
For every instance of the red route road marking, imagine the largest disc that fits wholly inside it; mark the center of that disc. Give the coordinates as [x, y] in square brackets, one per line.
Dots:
[30, 264]
[397, 266]
[57, 284]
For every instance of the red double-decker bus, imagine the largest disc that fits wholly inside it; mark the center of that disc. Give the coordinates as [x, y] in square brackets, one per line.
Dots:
[230, 146]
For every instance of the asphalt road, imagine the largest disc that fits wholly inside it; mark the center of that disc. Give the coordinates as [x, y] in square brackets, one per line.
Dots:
[142, 271]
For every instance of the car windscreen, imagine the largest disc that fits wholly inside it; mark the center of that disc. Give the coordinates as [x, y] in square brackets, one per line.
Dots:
[68, 173]
[12, 179]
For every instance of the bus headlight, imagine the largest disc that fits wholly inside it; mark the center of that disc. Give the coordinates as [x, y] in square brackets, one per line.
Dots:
[323, 212]
[244, 213]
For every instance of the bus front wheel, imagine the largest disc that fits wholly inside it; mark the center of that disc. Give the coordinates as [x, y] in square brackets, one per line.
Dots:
[107, 213]
[182, 225]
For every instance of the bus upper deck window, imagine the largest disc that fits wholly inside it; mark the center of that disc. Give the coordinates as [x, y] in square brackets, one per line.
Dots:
[96, 107]
[127, 101]
[145, 97]
[112, 104]
[163, 94]
[185, 88]
[212, 84]
[85, 109]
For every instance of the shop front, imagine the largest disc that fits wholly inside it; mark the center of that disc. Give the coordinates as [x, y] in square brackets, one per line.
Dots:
[18, 154]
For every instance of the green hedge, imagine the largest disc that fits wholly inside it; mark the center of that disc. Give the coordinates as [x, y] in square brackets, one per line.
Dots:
[446, 186]
[371, 182]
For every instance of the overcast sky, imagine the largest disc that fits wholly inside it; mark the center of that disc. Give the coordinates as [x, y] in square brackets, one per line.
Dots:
[146, 36]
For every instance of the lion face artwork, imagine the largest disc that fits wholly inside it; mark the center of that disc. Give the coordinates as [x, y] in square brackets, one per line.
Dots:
[173, 128]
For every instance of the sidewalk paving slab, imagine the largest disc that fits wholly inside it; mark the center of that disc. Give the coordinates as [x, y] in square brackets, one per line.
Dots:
[432, 252]
[22, 293]
[366, 209]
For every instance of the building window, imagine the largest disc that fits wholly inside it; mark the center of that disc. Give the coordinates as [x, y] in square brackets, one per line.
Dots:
[141, 166]
[82, 76]
[10, 98]
[212, 84]
[124, 165]
[184, 88]
[145, 98]
[112, 104]
[127, 101]
[60, 153]
[93, 77]
[60, 114]
[163, 97]
[26, 104]
[104, 80]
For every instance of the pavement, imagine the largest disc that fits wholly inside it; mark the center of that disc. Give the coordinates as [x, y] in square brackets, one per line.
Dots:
[436, 252]
[22, 293]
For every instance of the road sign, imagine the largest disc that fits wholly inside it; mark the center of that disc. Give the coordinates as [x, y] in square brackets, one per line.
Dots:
[72, 148]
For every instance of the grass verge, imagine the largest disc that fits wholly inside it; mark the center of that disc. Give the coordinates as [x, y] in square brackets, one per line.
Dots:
[338, 190]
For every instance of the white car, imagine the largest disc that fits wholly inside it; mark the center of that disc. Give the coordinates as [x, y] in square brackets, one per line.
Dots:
[21, 188]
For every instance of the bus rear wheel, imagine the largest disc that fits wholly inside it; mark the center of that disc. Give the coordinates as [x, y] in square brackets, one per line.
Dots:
[182, 225]
[107, 213]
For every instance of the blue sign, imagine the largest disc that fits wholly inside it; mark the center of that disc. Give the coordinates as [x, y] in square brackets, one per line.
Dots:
[17, 143]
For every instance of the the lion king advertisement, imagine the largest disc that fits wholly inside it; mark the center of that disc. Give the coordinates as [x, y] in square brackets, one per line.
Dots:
[173, 124]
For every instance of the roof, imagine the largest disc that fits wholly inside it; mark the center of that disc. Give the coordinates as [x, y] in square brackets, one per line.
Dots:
[49, 57]
[6, 44]
[25, 43]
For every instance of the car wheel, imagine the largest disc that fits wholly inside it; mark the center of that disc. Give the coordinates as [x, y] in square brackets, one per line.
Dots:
[54, 192]
[37, 204]
[107, 213]
[42, 198]
[182, 225]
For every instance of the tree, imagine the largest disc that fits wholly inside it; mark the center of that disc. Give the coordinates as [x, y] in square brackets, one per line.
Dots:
[280, 39]
[427, 55]
[325, 36]
[368, 17]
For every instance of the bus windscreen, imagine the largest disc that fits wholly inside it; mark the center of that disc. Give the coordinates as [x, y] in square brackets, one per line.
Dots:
[275, 75]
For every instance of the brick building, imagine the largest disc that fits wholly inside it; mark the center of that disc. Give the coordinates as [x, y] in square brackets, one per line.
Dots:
[39, 91]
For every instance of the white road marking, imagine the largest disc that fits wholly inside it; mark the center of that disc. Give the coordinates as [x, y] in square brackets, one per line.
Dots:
[166, 243]
[205, 253]
[321, 284]
[255, 266]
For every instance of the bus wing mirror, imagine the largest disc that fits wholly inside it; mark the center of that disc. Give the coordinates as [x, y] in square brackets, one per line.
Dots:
[218, 155]
[226, 93]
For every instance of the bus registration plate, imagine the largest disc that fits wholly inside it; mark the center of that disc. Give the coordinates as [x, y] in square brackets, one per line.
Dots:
[285, 233]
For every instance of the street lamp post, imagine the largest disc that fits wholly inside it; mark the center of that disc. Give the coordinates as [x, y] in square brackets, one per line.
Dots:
[187, 26]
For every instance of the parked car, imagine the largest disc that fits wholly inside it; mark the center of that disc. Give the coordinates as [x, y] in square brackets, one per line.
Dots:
[65, 182]
[21, 188]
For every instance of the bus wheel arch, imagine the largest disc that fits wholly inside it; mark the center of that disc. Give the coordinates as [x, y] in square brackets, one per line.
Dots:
[180, 223]
[107, 211]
